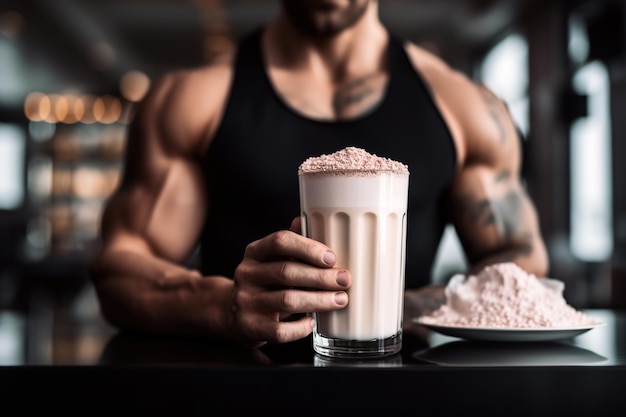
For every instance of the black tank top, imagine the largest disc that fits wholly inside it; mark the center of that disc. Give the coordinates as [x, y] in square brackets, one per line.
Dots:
[252, 163]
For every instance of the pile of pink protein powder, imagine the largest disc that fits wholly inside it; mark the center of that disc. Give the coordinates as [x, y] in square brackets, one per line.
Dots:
[351, 160]
[506, 296]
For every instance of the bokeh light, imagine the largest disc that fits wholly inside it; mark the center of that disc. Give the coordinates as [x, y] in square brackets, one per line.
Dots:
[134, 85]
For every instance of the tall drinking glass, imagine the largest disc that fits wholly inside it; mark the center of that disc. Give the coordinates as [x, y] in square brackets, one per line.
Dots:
[360, 213]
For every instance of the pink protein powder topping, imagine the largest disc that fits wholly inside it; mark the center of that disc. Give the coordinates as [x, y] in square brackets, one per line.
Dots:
[505, 296]
[352, 161]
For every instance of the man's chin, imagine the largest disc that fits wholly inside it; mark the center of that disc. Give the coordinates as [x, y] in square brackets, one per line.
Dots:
[326, 20]
[323, 31]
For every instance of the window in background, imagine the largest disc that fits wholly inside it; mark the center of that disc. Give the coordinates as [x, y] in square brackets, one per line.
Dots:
[12, 154]
[591, 213]
[591, 236]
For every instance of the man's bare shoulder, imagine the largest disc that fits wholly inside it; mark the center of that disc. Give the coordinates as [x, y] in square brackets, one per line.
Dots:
[436, 71]
[478, 119]
[216, 72]
[186, 105]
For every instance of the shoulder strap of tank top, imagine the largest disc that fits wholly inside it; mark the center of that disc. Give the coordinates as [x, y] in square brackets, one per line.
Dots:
[249, 53]
[408, 80]
[401, 64]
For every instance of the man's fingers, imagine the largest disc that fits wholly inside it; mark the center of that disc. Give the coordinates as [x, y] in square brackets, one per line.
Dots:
[296, 225]
[290, 273]
[293, 301]
[288, 244]
[283, 332]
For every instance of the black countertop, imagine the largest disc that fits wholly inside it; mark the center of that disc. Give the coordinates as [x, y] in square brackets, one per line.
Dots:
[433, 374]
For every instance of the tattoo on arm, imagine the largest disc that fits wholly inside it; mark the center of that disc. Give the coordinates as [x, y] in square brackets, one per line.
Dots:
[505, 215]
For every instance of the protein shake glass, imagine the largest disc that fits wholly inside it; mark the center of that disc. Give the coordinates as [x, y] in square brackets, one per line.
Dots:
[356, 203]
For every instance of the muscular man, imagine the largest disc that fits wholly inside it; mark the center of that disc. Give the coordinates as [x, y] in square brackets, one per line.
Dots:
[212, 163]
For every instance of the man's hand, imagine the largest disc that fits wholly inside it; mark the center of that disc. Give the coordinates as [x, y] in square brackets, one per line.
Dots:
[285, 274]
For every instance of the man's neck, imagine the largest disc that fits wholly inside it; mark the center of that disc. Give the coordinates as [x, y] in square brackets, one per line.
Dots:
[359, 48]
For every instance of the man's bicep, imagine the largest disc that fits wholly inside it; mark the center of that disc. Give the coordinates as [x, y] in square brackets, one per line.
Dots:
[161, 201]
[164, 217]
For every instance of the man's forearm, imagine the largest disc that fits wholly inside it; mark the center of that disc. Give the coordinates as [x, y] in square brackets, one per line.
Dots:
[143, 293]
[530, 256]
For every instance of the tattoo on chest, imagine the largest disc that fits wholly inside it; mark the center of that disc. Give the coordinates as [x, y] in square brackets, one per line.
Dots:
[359, 96]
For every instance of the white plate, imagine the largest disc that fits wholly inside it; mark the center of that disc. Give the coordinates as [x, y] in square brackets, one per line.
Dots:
[509, 334]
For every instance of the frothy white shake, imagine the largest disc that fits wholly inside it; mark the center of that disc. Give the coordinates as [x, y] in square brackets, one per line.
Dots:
[355, 203]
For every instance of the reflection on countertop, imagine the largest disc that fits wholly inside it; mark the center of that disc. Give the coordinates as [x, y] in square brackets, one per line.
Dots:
[385, 362]
[469, 353]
